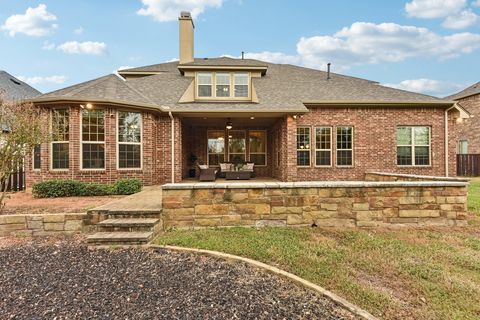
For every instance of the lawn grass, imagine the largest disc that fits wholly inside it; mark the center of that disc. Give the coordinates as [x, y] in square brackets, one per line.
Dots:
[394, 274]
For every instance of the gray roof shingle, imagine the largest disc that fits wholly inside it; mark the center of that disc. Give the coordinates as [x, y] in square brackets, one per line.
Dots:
[15, 89]
[470, 91]
[284, 88]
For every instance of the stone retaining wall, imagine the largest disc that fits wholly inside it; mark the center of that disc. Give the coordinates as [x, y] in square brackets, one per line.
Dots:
[43, 224]
[325, 204]
[387, 176]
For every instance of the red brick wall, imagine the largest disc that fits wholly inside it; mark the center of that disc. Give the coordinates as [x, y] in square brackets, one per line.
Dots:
[374, 141]
[470, 128]
[155, 144]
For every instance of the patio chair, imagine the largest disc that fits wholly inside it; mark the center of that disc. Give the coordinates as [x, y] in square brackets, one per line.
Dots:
[207, 174]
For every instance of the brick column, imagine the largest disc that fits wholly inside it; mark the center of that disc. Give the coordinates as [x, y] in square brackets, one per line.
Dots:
[289, 156]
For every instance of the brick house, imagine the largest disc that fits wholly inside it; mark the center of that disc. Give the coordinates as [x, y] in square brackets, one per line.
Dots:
[294, 123]
[469, 130]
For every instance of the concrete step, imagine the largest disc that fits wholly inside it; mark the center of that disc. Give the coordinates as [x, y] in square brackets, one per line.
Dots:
[116, 214]
[120, 237]
[127, 224]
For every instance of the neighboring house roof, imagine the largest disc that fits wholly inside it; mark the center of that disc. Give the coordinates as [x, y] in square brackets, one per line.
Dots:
[470, 91]
[284, 88]
[15, 89]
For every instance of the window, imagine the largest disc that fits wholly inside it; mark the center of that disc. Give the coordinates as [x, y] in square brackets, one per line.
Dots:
[241, 84]
[236, 146]
[37, 158]
[60, 136]
[204, 81]
[216, 147]
[129, 140]
[413, 146]
[227, 85]
[258, 147]
[462, 147]
[323, 146]
[344, 146]
[303, 147]
[93, 139]
[222, 84]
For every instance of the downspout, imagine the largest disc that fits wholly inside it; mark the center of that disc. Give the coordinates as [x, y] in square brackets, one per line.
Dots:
[172, 121]
[446, 139]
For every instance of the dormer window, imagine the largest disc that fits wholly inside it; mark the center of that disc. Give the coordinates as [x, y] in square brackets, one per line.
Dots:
[223, 85]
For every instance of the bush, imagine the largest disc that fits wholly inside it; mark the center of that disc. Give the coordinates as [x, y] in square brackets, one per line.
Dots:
[57, 188]
[73, 188]
[127, 186]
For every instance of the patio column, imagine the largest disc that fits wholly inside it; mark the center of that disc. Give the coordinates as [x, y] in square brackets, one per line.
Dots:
[290, 154]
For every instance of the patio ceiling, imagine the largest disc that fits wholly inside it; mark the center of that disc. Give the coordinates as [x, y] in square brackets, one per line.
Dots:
[216, 121]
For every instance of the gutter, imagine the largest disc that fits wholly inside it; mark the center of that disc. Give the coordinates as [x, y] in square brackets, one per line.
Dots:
[172, 121]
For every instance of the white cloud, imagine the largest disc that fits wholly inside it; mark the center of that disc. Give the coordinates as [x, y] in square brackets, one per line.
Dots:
[429, 9]
[40, 80]
[36, 22]
[369, 43]
[87, 47]
[477, 3]
[48, 45]
[169, 10]
[79, 30]
[462, 20]
[427, 86]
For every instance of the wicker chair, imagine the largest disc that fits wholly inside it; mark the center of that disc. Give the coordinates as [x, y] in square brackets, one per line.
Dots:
[207, 174]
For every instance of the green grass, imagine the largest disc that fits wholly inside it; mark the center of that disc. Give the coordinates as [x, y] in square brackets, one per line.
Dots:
[413, 274]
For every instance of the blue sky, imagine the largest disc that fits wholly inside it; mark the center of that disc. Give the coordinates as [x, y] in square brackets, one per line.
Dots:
[429, 46]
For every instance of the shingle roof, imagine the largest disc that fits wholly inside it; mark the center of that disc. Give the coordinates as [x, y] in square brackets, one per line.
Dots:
[108, 88]
[470, 91]
[284, 88]
[15, 89]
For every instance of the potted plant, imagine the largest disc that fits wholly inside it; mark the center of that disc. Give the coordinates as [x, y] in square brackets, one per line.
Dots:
[192, 161]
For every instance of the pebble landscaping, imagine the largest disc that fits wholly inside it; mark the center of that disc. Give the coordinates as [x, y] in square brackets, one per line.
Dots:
[64, 279]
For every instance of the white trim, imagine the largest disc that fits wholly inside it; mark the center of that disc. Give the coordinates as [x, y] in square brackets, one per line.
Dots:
[118, 143]
[351, 149]
[303, 150]
[413, 145]
[50, 165]
[315, 147]
[264, 153]
[93, 142]
[213, 84]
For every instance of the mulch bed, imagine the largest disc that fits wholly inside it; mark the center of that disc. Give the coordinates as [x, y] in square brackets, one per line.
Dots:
[63, 279]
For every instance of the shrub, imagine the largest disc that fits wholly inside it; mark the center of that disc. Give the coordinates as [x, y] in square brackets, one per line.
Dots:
[127, 186]
[56, 188]
[73, 188]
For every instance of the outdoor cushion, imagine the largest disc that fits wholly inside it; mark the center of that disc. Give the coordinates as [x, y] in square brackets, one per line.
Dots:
[203, 166]
[249, 166]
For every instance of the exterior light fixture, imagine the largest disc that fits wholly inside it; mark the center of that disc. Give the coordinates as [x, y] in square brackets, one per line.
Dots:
[294, 116]
[459, 120]
[252, 118]
[89, 106]
[229, 125]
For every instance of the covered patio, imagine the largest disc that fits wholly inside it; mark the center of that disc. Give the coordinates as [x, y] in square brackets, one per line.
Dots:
[216, 140]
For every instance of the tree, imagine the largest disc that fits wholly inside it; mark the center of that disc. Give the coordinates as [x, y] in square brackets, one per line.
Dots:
[23, 126]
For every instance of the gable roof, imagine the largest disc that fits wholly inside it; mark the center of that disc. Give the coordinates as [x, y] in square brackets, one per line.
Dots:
[470, 91]
[284, 88]
[15, 89]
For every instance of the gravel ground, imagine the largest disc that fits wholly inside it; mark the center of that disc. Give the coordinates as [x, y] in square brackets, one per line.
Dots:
[63, 279]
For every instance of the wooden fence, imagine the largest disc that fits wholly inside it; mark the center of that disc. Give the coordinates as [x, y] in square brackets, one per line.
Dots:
[468, 165]
[17, 180]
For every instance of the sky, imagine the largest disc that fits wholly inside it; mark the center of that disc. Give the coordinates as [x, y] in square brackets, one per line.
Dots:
[427, 46]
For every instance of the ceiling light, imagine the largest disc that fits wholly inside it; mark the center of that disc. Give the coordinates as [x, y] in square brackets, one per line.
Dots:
[229, 124]
[252, 118]
[89, 106]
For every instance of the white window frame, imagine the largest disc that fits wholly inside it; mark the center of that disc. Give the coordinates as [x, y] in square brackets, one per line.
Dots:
[59, 142]
[351, 149]
[224, 147]
[459, 145]
[118, 143]
[264, 153]
[413, 145]
[309, 149]
[212, 85]
[330, 150]
[232, 86]
[235, 153]
[33, 159]
[94, 142]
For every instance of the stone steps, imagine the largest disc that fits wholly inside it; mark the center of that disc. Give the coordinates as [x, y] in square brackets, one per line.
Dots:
[120, 238]
[127, 224]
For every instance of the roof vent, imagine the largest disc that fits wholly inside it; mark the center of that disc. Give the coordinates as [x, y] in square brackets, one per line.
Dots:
[185, 14]
[15, 81]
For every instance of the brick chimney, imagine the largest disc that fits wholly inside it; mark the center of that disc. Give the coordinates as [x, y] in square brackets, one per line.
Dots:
[186, 37]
